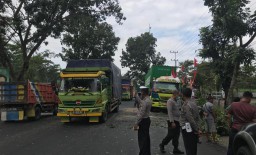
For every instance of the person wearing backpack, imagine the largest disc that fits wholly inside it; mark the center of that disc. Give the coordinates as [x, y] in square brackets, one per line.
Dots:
[210, 118]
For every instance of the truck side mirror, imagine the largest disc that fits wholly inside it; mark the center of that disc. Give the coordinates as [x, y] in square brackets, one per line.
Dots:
[104, 81]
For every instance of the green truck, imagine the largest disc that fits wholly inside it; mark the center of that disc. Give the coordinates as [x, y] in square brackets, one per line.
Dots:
[161, 85]
[89, 88]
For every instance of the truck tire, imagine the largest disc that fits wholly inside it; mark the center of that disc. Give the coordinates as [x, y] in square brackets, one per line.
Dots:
[37, 113]
[104, 116]
[116, 109]
[243, 150]
[55, 110]
[153, 109]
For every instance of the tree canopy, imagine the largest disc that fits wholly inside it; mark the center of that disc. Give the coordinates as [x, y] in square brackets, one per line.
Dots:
[225, 42]
[29, 23]
[87, 39]
[140, 55]
[41, 68]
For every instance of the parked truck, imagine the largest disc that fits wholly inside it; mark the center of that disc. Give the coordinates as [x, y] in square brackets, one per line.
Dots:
[89, 88]
[161, 85]
[22, 100]
[127, 89]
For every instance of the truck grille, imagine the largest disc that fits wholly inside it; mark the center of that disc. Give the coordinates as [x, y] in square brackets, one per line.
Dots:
[82, 102]
[165, 99]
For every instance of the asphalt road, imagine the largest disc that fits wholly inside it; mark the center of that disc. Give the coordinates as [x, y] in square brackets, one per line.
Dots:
[115, 137]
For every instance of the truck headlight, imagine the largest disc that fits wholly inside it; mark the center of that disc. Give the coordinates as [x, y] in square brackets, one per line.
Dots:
[61, 111]
[99, 101]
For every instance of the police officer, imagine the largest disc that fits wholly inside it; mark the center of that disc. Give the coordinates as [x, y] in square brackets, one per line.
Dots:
[189, 122]
[143, 121]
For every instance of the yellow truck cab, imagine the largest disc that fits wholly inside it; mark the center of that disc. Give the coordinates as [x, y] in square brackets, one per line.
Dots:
[162, 90]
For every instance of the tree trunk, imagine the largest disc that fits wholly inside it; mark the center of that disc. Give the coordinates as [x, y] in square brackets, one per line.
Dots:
[23, 70]
[226, 94]
[233, 83]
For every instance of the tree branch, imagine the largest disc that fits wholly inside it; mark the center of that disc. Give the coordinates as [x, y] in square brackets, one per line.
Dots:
[249, 41]
[18, 9]
[32, 51]
[21, 40]
[9, 39]
[240, 41]
[27, 33]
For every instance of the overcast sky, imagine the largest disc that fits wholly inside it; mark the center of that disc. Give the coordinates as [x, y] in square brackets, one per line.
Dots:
[175, 24]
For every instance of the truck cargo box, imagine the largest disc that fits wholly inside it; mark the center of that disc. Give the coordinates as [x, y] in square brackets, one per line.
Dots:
[21, 100]
[155, 72]
[26, 93]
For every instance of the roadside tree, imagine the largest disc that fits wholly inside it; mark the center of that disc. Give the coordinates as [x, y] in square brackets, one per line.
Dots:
[226, 42]
[41, 68]
[85, 38]
[29, 23]
[140, 55]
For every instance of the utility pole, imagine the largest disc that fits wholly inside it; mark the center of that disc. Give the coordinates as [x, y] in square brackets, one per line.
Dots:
[175, 57]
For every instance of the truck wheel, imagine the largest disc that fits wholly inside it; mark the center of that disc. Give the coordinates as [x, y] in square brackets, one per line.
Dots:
[243, 150]
[55, 110]
[153, 109]
[37, 113]
[116, 109]
[104, 116]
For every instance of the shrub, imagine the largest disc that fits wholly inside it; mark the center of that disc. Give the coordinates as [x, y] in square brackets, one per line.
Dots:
[221, 121]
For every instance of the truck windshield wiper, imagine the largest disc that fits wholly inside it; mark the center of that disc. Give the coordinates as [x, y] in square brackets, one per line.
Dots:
[88, 93]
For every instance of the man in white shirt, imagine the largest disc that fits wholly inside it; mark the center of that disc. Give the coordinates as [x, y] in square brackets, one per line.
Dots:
[143, 121]
[173, 109]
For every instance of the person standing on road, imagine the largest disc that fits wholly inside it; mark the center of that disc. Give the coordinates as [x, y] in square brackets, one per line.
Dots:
[136, 103]
[243, 113]
[210, 120]
[143, 122]
[189, 122]
[173, 134]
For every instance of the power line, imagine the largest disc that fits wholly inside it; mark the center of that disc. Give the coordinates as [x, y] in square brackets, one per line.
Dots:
[192, 44]
[199, 19]
[181, 46]
[192, 39]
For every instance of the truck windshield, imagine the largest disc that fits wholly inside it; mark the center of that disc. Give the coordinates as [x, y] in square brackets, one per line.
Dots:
[80, 84]
[164, 87]
[126, 88]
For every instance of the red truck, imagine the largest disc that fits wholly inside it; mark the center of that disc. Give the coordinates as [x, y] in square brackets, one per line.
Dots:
[25, 100]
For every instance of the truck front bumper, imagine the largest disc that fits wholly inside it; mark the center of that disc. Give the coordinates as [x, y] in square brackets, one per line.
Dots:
[79, 115]
[67, 113]
[160, 105]
[12, 115]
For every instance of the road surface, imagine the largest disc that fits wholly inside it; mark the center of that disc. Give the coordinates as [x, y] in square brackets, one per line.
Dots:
[115, 137]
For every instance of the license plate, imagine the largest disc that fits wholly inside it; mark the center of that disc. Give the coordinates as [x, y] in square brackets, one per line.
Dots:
[163, 104]
[77, 112]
